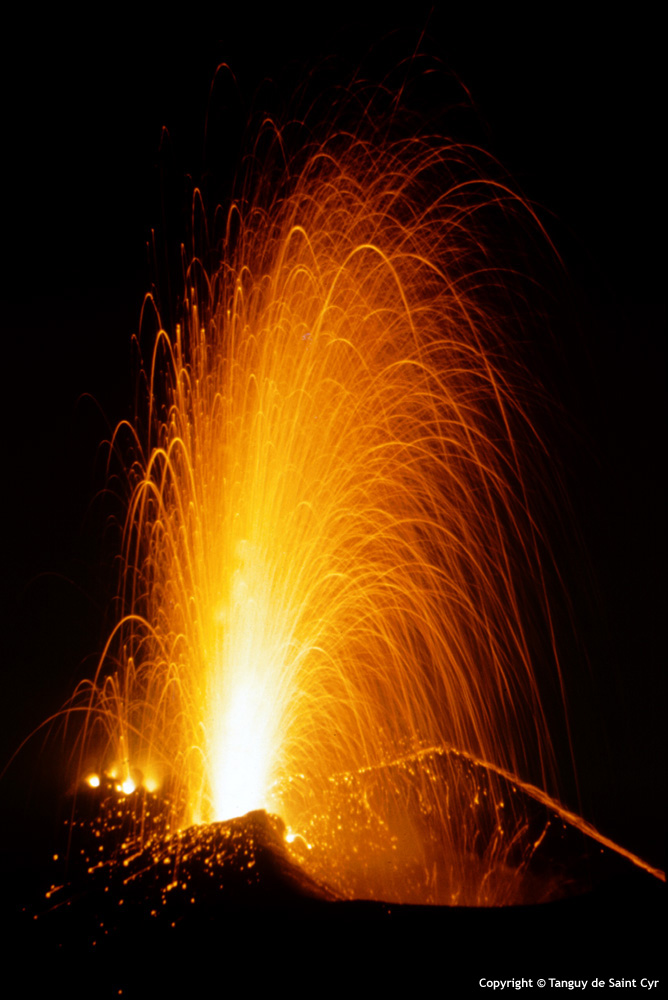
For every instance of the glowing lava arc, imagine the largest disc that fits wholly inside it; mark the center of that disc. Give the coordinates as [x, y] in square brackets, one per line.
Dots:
[330, 559]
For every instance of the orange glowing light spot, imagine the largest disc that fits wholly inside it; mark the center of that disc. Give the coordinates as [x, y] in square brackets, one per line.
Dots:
[128, 786]
[291, 837]
[93, 780]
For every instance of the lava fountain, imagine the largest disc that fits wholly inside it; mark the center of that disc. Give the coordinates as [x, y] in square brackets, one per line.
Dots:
[333, 589]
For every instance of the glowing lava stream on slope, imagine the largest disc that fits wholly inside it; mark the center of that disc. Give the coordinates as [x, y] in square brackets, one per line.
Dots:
[331, 558]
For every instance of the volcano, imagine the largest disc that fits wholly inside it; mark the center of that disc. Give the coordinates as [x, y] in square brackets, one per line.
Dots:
[240, 888]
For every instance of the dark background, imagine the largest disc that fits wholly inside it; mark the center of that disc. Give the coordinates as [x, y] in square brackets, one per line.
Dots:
[568, 104]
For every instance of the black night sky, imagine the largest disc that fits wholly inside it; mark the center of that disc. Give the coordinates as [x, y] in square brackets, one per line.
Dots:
[570, 106]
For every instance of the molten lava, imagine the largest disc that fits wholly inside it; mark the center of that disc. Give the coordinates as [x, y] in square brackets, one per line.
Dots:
[332, 558]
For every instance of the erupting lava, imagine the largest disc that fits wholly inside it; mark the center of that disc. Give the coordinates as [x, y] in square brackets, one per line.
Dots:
[333, 591]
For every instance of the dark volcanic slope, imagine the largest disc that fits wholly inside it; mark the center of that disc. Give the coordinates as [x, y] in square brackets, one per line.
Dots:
[192, 878]
[229, 899]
